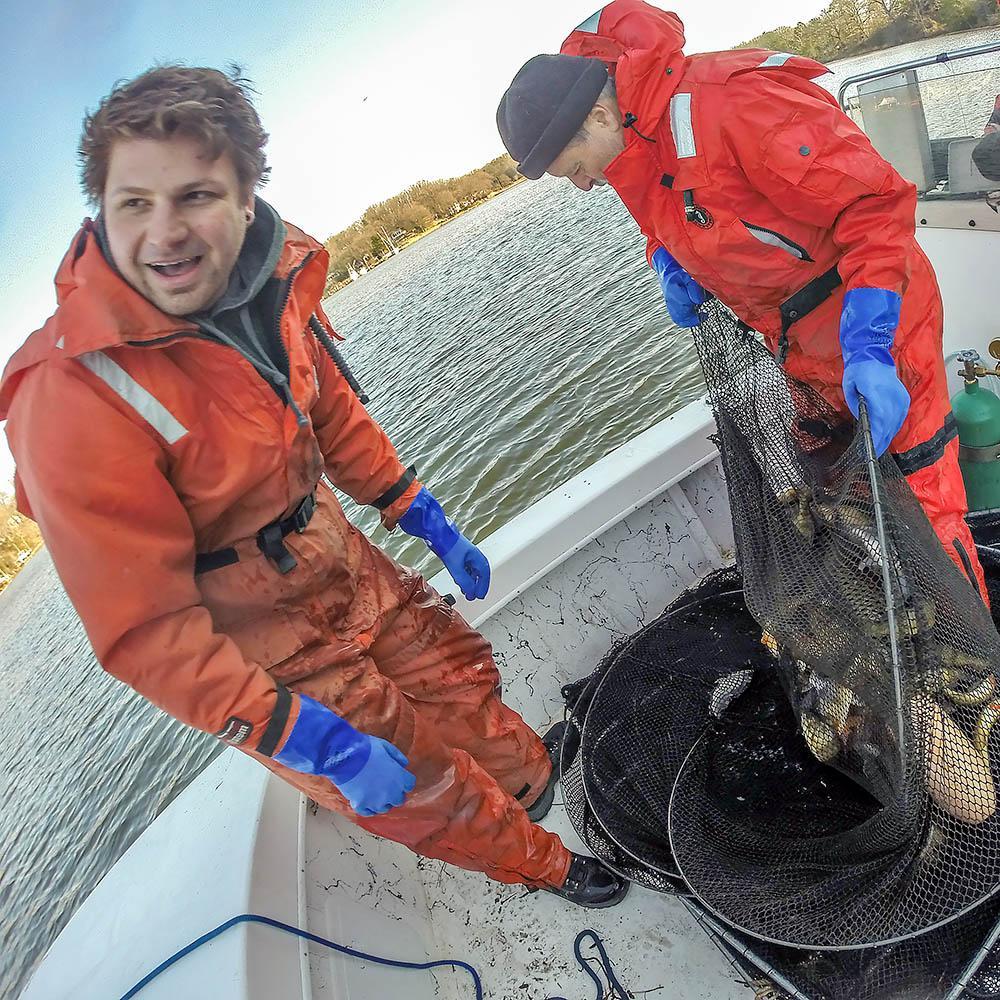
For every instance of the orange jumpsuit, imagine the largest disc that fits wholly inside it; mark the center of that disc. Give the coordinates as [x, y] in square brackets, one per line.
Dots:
[141, 442]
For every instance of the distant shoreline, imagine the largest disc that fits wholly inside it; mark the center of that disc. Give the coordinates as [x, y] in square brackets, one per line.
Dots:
[909, 23]
[388, 226]
[417, 237]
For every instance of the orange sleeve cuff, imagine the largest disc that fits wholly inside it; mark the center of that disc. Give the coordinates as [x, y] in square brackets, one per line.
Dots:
[395, 510]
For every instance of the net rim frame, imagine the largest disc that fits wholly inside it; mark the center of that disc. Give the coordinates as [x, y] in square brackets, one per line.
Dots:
[678, 876]
[683, 890]
[802, 945]
[712, 929]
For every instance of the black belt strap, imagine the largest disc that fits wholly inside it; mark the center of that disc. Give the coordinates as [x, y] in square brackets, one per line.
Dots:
[803, 302]
[930, 451]
[276, 725]
[205, 562]
[270, 541]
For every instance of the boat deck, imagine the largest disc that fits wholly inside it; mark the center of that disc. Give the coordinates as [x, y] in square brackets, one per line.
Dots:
[376, 896]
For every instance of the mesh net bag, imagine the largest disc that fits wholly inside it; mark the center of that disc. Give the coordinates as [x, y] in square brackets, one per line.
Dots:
[695, 648]
[630, 727]
[887, 657]
[943, 964]
[811, 758]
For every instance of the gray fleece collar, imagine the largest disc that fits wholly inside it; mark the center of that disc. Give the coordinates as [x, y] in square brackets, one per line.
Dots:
[257, 260]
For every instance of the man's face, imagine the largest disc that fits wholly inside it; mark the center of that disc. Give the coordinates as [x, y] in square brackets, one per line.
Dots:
[175, 220]
[584, 161]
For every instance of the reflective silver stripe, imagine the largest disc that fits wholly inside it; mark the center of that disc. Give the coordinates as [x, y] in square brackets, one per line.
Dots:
[680, 125]
[590, 25]
[774, 239]
[776, 59]
[61, 342]
[141, 400]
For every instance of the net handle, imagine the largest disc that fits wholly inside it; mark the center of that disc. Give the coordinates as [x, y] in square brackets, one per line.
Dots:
[975, 964]
[890, 604]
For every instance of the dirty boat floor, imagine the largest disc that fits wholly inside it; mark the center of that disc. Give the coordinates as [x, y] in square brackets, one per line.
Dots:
[382, 899]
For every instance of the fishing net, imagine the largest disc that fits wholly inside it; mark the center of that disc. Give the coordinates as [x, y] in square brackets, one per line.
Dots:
[806, 747]
[633, 716]
[944, 964]
[887, 657]
[696, 640]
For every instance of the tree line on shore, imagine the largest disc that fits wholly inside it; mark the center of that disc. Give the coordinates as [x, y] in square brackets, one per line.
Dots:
[19, 538]
[844, 28]
[423, 206]
[851, 27]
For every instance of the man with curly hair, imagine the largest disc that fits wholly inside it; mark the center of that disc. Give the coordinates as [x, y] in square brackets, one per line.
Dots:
[172, 423]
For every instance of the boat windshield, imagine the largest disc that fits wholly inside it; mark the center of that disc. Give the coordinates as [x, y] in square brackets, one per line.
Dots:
[930, 122]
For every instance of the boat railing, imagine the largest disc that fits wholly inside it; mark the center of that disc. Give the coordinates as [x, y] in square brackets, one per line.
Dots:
[911, 64]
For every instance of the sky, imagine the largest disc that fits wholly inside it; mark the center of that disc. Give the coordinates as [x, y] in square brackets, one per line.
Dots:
[361, 99]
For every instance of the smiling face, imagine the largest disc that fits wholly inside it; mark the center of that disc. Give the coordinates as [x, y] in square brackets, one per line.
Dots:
[175, 220]
[601, 140]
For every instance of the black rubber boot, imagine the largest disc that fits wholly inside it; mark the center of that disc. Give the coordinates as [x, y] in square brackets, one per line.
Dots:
[539, 809]
[592, 885]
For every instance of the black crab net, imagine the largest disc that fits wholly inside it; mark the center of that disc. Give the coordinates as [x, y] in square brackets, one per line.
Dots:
[887, 656]
[948, 963]
[689, 649]
[632, 717]
[811, 761]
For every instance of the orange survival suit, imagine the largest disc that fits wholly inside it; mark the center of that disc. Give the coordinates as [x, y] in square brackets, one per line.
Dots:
[754, 180]
[151, 455]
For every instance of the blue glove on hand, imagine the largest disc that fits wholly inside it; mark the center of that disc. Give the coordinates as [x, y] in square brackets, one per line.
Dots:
[681, 292]
[467, 565]
[867, 326]
[370, 773]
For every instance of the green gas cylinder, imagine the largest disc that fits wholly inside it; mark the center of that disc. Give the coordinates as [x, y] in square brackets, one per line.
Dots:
[977, 413]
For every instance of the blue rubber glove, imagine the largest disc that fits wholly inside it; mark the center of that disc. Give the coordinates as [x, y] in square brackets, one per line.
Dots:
[867, 326]
[370, 773]
[468, 567]
[681, 292]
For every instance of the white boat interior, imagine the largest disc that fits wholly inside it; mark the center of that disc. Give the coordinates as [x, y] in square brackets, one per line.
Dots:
[589, 563]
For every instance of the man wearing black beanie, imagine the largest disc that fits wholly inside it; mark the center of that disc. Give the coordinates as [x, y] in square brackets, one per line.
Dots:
[750, 183]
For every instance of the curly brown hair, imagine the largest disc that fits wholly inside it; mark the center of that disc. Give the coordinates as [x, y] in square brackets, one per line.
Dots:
[165, 101]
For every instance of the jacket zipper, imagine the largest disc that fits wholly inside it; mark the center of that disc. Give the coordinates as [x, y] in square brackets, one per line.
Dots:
[170, 338]
[300, 417]
[774, 239]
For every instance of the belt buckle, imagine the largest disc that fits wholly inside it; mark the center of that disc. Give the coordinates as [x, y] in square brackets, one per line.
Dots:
[304, 512]
[269, 541]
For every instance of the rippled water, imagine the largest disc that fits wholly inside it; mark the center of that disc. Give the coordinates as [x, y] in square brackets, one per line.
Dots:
[503, 353]
[513, 348]
[87, 764]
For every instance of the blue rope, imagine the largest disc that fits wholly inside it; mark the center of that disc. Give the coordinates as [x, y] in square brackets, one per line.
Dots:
[618, 992]
[256, 918]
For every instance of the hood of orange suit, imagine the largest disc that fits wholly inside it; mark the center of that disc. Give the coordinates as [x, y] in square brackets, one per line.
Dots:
[643, 48]
[98, 309]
